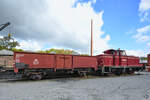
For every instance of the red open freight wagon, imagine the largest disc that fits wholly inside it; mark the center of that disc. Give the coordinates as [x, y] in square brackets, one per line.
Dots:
[29, 62]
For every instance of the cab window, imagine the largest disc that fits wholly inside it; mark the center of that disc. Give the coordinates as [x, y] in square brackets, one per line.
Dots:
[123, 53]
[112, 52]
[117, 53]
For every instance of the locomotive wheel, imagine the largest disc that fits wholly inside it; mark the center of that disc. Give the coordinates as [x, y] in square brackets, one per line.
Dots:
[98, 73]
[130, 71]
[118, 72]
[127, 71]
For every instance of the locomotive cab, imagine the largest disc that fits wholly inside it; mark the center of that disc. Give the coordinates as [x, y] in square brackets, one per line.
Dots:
[115, 52]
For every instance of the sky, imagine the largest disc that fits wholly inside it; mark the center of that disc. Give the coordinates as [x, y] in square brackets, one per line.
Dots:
[65, 24]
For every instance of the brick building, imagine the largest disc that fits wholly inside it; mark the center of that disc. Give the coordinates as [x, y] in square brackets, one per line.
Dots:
[6, 58]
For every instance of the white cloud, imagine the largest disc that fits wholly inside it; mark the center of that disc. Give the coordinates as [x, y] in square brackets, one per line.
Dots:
[141, 38]
[144, 17]
[29, 45]
[144, 8]
[142, 34]
[144, 5]
[130, 32]
[94, 1]
[144, 29]
[76, 23]
[57, 23]
[1, 36]
[148, 44]
[140, 53]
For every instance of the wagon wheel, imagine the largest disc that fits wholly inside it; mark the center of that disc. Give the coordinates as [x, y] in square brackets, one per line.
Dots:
[36, 77]
[32, 77]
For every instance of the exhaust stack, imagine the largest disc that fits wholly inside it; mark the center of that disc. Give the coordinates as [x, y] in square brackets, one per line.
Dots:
[91, 37]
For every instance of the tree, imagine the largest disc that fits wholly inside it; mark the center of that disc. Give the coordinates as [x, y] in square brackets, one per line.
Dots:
[14, 49]
[143, 58]
[58, 51]
[84, 55]
[8, 43]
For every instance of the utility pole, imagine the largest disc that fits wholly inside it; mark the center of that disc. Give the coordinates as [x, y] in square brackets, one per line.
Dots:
[91, 37]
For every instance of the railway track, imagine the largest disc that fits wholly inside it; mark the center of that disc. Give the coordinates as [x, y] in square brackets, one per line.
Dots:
[61, 77]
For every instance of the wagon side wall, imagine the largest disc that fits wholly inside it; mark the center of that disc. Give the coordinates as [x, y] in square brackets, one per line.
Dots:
[84, 62]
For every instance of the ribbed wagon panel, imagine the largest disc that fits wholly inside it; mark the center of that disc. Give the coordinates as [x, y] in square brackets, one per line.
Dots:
[35, 60]
[84, 62]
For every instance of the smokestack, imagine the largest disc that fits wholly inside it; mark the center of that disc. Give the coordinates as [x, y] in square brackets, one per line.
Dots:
[91, 37]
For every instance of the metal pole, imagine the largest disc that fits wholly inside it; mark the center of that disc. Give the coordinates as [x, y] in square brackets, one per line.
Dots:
[91, 37]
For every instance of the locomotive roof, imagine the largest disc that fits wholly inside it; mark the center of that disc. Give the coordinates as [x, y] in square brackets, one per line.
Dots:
[113, 50]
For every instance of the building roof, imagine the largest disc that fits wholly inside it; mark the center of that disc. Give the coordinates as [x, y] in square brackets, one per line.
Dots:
[6, 52]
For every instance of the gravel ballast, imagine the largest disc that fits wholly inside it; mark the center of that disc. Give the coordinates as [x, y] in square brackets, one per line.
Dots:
[111, 88]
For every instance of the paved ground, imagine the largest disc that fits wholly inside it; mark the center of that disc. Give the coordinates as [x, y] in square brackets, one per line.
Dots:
[112, 88]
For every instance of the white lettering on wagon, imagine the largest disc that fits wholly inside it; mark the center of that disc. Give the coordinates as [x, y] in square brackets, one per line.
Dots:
[17, 60]
[35, 62]
[19, 55]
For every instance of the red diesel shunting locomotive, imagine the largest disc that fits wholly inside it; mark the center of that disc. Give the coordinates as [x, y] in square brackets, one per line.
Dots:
[148, 63]
[38, 65]
[116, 61]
